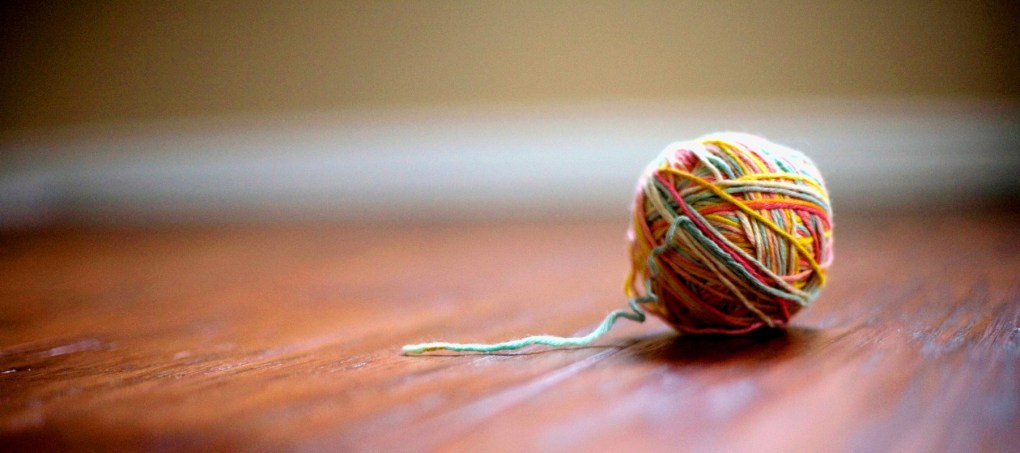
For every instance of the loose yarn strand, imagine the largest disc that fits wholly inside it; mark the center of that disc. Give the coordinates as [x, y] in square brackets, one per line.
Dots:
[636, 314]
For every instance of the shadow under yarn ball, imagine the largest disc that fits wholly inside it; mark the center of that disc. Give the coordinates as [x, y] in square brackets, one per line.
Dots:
[730, 233]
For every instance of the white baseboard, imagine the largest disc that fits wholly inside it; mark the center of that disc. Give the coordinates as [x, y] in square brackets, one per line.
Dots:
[487, 162]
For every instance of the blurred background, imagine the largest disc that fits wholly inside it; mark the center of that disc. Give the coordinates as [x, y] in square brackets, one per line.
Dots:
[205, 111]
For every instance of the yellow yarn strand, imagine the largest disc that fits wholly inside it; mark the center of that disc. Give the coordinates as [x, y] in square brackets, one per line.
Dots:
[751, 212]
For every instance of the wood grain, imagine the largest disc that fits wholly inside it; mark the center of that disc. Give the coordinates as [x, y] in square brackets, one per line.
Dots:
[288, 336]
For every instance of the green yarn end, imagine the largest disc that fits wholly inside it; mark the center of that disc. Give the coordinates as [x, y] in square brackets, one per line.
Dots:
[636, 314]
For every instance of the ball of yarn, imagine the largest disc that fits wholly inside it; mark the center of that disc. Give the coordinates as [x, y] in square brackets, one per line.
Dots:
[730, 233]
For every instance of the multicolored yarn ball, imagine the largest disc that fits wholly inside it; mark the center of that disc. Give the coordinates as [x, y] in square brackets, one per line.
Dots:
[730, 233]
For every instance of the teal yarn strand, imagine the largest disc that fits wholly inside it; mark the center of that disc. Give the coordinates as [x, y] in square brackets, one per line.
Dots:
[636, 314]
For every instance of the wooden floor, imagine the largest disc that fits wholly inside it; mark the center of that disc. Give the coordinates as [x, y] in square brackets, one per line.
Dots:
[288, 337]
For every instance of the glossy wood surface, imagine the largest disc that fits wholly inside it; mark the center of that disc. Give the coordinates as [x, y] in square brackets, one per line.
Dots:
[288, 337]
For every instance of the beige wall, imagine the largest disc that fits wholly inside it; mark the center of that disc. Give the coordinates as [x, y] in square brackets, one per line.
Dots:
[129, 61]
